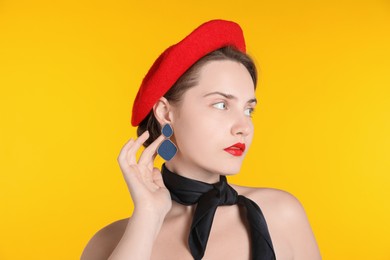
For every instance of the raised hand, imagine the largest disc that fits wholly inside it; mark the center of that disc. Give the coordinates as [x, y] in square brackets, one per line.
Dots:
[144, 181]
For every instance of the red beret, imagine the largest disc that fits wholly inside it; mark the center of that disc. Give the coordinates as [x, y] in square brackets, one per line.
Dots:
[178, 58]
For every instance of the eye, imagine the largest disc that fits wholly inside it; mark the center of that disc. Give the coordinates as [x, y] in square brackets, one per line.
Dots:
[249, 111]
[220, 105]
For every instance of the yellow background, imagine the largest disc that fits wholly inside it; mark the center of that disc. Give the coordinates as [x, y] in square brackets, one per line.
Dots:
[69, 71]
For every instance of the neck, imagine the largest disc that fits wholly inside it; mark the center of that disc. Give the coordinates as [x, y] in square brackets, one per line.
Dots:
[193, 172]
[178, 210]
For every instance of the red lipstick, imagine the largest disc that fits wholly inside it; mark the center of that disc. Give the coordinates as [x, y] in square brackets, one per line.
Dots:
[236, 149]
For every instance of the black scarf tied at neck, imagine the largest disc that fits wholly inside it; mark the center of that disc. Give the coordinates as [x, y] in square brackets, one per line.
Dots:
[209, 196]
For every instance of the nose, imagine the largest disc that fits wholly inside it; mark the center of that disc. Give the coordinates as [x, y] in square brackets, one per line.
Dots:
[242, 126]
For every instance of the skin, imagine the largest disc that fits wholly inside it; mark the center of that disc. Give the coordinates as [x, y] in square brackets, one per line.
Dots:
[213, 115]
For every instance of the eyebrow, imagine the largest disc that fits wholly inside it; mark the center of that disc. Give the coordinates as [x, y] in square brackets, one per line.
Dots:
[229, 96]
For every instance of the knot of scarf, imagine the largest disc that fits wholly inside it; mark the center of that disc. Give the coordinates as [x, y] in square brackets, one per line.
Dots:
[208, 197]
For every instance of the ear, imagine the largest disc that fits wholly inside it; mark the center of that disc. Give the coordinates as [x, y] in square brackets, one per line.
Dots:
[163, 111]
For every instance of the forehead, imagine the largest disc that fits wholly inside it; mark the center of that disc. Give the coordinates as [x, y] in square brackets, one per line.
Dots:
[226, 76]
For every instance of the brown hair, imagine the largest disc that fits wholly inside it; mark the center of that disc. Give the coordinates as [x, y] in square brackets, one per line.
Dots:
[190, 79]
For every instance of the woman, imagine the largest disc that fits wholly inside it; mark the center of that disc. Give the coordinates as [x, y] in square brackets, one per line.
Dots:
[194, 109]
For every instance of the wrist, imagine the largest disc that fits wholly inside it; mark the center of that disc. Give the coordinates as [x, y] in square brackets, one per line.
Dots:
[151, 211]
[150, 220]
[148, 215]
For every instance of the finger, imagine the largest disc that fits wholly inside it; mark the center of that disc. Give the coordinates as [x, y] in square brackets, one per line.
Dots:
[133, 179]
[157, 178]
[148, 154]
[132, 152]
[151, 162]
[125, 148]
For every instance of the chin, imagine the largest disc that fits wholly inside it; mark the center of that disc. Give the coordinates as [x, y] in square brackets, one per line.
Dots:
[230, 168]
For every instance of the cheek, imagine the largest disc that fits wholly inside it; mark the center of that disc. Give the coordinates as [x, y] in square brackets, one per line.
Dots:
[249, 138]
[196, 128]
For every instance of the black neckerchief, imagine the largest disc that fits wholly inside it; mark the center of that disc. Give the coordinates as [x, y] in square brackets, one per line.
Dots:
[209, 196]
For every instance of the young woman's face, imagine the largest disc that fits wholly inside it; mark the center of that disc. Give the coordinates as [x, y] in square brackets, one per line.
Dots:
[213, 121]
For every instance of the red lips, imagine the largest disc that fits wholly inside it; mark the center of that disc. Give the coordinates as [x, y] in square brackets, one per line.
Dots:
[236, 149]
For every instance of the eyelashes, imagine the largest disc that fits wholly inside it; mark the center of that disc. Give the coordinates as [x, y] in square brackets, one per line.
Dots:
[249, 111]
[220, 105]
[223, 106]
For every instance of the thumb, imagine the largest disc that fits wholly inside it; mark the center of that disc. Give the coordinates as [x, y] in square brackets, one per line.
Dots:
[157, 178]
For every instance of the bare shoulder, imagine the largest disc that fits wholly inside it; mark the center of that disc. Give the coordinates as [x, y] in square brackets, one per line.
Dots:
[287, 222]
[281, 209]
[274, 201]
[101, 245]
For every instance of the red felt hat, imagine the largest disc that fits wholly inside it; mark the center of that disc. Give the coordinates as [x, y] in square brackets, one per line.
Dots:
[178, 58]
